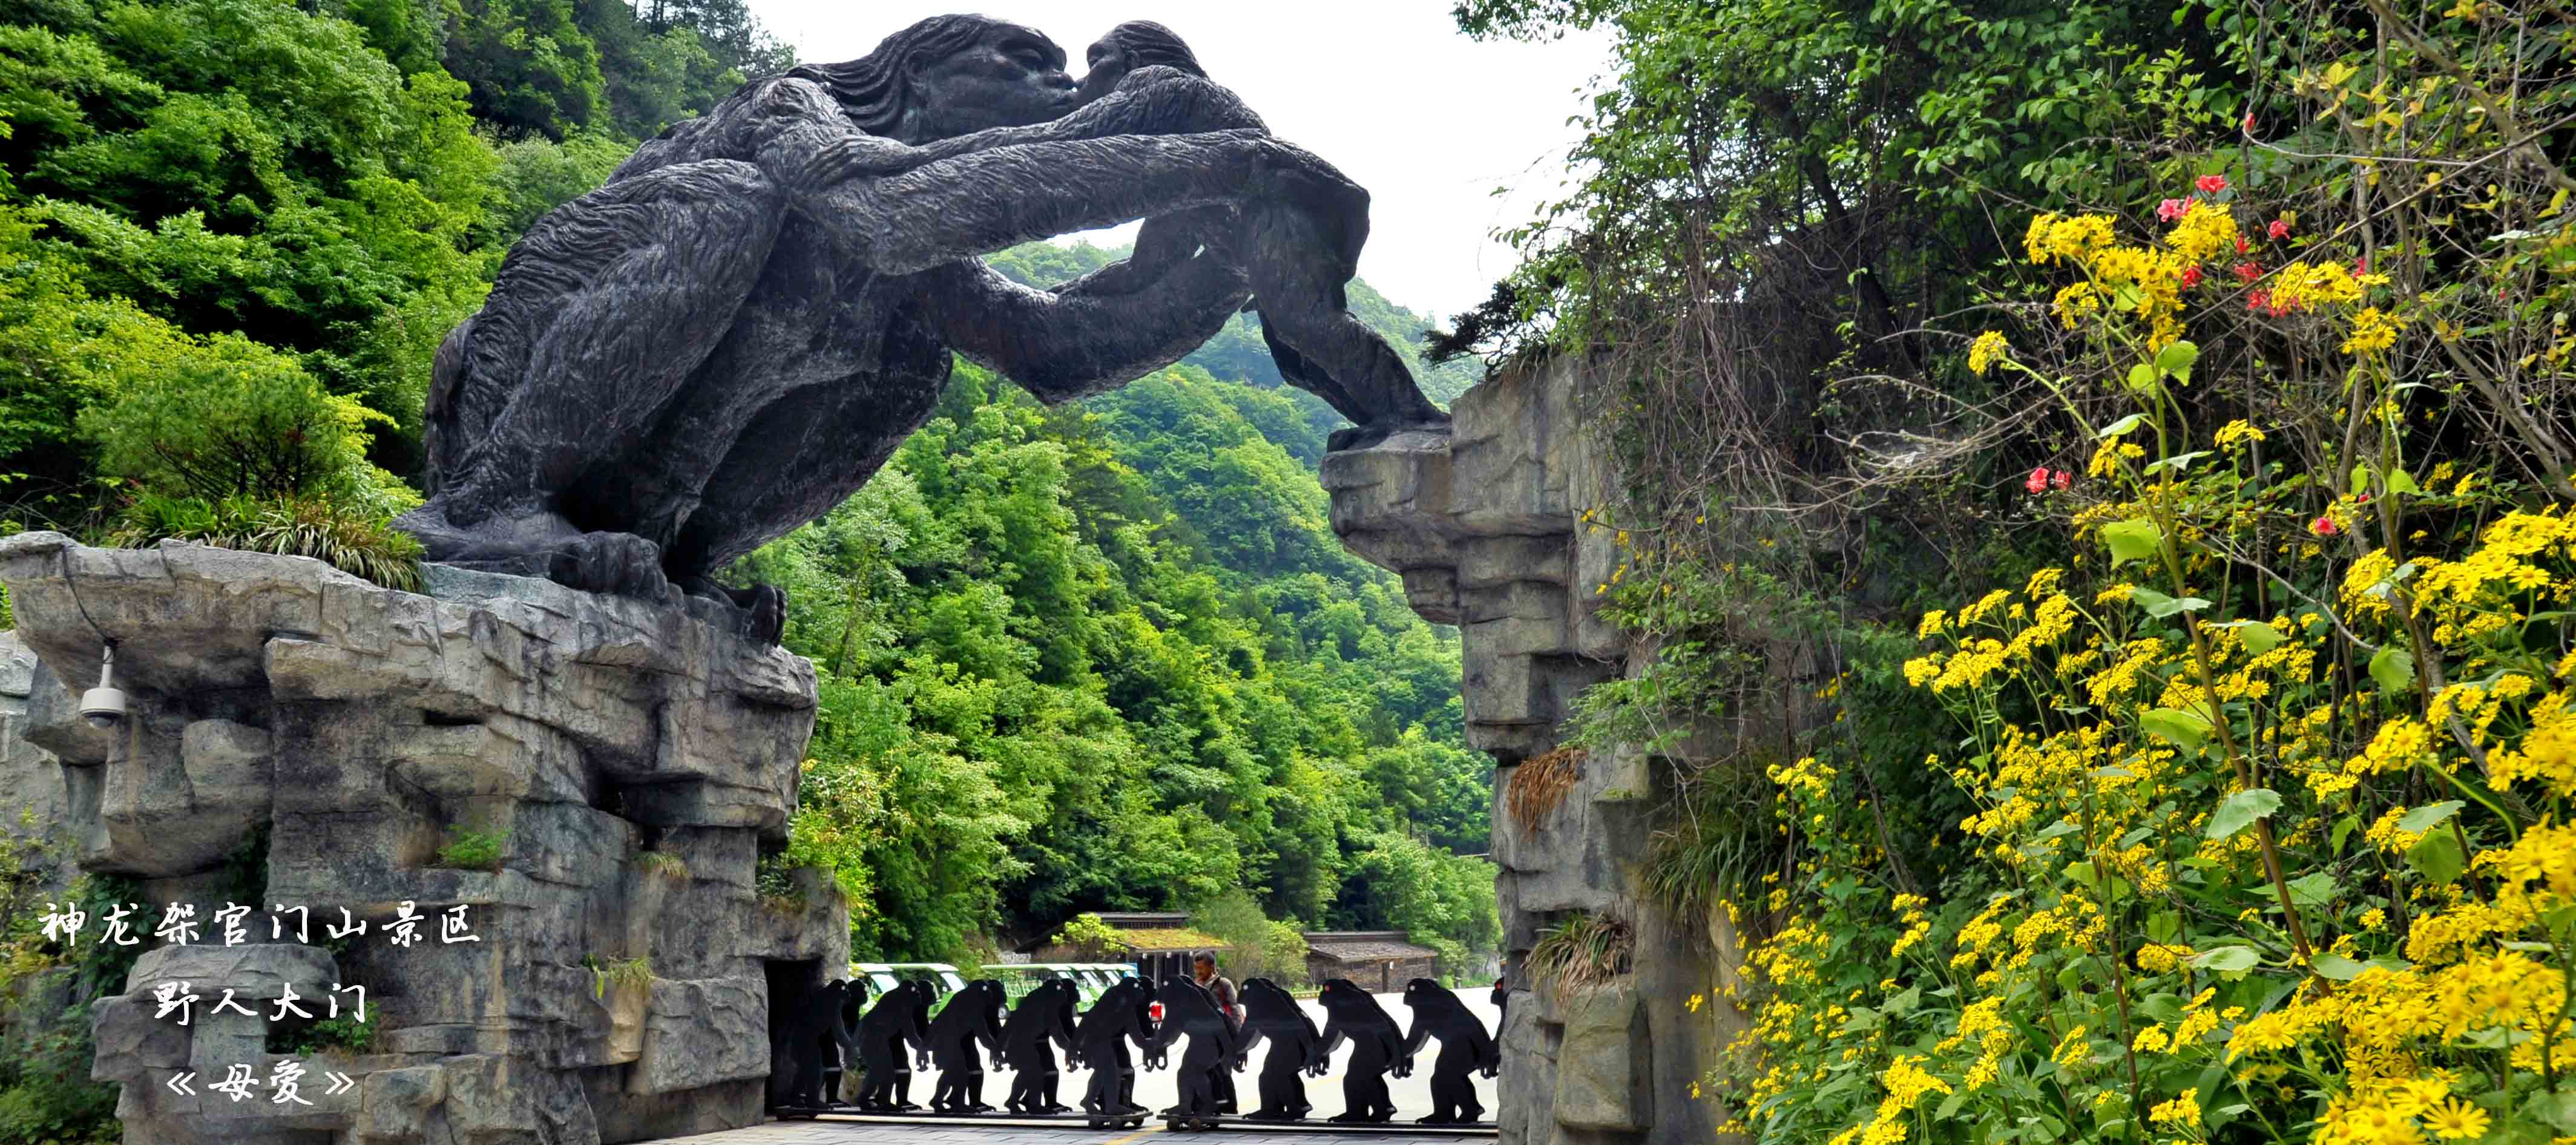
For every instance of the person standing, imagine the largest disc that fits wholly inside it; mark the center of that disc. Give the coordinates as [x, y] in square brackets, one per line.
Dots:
[1203, 971]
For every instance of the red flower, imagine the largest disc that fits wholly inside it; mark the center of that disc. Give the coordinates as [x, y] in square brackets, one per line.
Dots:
[2240, 244]
[2361, 266]
[2171, 209]
[2280, 229]
[2248, 272]
[2190, 277]
[2257, 299]
[2211, 184]
[2061, 479]
[2249, 123]
[2323, 527]
[2038, 482]
[2364, 499]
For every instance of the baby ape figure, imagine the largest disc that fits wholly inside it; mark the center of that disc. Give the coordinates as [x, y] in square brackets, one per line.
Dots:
[1349, 1012]
[1298, 261]
[1046, 1012]
[805, 1056]
[1189, 1010]
[974, 1015]
[1101, 1043]
[1464, 1046]
[1269, 1012]
[899, 1020]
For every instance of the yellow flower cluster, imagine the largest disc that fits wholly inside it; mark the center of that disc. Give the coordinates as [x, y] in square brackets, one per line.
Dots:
[1988, 349]
[2310, 286]
[2236, 433]
[2143, 280]
[2206, 231]
[2373, 332]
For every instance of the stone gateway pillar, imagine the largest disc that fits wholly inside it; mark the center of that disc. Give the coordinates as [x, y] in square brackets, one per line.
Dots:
[1485, 525]
[584, 784]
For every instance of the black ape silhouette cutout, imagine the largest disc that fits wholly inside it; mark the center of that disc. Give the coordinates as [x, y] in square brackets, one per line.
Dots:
[1269, 1012]
[899, 1019]
[845, 1054]
[1350, 1013]
[1464, 1046]
[1045, 1013]
[1190, 1011]
[805, 1054]
[1100, 1043]
[974, 1015]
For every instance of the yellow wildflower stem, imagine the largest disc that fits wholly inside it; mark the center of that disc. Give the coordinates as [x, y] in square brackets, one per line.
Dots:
[2201, 658]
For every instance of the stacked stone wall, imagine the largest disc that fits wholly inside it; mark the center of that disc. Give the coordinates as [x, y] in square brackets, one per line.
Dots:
[1486, 525]
[348, 734]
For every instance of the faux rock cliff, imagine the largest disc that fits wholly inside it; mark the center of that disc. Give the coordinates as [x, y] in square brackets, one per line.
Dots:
[1485, 526]
[633, 762]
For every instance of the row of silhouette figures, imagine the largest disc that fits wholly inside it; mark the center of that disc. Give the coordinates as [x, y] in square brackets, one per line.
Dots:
[838, 1031]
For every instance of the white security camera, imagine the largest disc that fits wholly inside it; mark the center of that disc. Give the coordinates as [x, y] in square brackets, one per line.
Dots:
[104, 706]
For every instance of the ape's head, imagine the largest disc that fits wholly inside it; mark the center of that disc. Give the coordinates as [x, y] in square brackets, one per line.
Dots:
[1341, 992]
[1421, 992]
[1129, 46]
[948, 76]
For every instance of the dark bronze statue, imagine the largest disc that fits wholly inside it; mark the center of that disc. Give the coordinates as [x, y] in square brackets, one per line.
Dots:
[735, 331]
[1464, 1046]
[1043, 1015]
[974, 1017]
[1298, 262]
[1376, 1045]
[1272, 1014]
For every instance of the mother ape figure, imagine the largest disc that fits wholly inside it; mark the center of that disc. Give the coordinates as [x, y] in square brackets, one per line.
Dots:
[739, 328]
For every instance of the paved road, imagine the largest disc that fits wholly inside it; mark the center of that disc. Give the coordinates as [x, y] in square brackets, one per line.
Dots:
[1154, 1090]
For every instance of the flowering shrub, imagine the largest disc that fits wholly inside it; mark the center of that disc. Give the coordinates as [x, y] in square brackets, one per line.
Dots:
[2270, 779]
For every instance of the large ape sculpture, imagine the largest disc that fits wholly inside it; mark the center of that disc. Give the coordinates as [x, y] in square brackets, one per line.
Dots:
[729, 336]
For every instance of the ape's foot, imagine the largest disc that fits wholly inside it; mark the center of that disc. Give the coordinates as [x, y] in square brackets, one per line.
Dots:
[1440, 1117]
[620, 563]
[764, 607]
[1376, 433]
[1352, 1118]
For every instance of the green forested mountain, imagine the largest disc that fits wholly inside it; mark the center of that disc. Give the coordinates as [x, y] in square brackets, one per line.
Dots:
[1097, 656]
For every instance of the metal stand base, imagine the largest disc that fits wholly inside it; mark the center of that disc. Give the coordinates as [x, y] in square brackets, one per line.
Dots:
[1317, 1126]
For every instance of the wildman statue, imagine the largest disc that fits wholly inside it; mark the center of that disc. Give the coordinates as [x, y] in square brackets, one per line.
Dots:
[737, 329]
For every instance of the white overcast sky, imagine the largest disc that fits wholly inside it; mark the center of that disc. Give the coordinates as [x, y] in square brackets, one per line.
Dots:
[1428, 120]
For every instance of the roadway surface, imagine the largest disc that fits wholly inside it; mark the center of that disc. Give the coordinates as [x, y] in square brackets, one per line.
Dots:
[1155, 1090]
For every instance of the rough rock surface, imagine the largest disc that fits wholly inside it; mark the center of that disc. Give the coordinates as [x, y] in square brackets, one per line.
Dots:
[339, 735]
[1488, 528]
